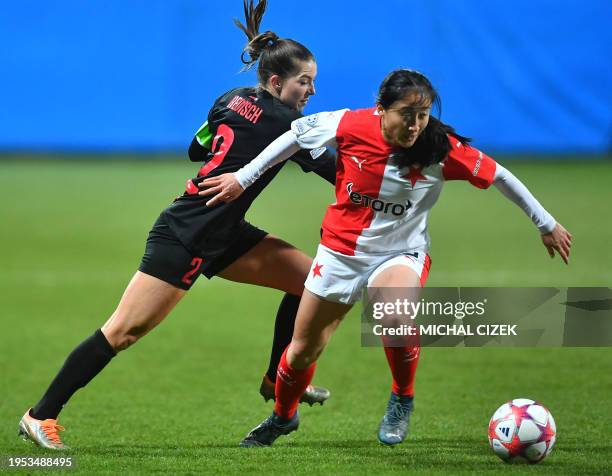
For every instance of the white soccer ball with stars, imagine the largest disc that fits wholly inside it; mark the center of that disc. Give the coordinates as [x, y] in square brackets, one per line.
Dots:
[522, 430]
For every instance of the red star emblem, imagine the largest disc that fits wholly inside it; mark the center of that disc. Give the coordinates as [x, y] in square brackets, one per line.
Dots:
[316, 270]
[414, 175]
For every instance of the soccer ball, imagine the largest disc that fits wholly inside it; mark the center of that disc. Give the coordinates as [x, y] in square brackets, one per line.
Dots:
[522, 430]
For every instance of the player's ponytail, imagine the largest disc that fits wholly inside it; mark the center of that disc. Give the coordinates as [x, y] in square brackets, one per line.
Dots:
[432, 146]
[256, 46]
[274, 55]
[257, 41]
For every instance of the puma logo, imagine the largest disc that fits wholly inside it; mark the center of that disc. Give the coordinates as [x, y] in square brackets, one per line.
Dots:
[358, 162]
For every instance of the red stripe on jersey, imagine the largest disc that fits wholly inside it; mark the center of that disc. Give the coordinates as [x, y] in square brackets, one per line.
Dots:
[465, 162]
[362, 157]
[191, 188]
[220, 149]
[425, 271]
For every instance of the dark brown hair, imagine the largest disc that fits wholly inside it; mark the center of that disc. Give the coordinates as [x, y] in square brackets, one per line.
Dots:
[274, 55]
[432, 146]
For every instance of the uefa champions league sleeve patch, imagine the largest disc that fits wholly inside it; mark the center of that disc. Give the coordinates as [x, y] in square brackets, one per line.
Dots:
[316, 153]
[302, 125]
[317, 130]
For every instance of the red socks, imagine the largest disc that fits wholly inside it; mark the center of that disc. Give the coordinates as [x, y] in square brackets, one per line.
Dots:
[403, 362]
[290, 385]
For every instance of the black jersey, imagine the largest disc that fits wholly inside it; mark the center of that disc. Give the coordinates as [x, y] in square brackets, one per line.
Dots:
[241, 123]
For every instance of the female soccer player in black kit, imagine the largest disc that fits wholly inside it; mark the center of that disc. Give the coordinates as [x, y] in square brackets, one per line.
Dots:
[190, 239]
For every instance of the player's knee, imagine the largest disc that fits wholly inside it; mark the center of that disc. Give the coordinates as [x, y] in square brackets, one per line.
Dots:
[304, 354]
[297, 289]
[126, 341]
[121, 339]
[291, 284]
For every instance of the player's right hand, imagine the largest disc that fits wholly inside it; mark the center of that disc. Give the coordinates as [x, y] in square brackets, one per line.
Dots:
[560, 240]
[225, 188]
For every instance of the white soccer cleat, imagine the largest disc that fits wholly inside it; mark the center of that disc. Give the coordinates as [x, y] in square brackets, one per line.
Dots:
[44, 433]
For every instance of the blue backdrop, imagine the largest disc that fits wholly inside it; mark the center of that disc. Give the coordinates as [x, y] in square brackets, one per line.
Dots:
[524, 76]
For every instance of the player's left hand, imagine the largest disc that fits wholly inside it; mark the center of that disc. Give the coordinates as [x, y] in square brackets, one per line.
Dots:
[225, 188]
[560, 240]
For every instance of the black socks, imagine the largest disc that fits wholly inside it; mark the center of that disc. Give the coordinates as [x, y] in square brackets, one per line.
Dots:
[93, 354]
[283, 331]
[85, 362]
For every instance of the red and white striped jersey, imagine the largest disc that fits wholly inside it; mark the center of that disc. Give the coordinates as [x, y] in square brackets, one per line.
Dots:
[381, 207]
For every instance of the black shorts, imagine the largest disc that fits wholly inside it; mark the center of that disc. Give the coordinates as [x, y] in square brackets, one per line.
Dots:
[168, 259]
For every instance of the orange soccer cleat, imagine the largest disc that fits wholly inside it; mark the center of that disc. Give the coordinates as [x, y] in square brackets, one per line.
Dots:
[44, 433]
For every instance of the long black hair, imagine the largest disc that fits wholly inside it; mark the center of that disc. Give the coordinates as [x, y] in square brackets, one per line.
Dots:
[274, 55]
[432, 145]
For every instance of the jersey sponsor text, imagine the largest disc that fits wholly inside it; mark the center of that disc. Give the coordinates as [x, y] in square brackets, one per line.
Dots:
[375, 204]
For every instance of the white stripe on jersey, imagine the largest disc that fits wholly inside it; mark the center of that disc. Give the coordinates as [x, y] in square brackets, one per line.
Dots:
[409, 232]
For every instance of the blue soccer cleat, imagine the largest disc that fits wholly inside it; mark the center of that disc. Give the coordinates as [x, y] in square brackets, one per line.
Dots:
[394, 425]
[269, 430]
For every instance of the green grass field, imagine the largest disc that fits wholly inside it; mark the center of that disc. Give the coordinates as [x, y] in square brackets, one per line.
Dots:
[73, 233]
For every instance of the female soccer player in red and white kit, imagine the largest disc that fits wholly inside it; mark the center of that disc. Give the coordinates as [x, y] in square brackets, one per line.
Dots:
[393, 160]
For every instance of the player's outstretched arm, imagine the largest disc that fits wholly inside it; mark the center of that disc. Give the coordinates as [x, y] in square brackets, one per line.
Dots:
[228, 187]
[308, 132]
[554, 236]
